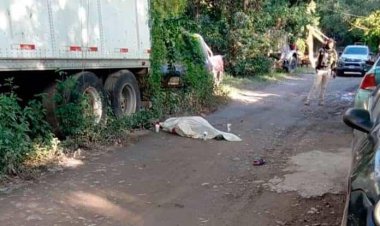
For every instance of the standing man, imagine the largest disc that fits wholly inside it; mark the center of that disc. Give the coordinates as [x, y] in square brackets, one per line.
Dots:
[326, 63]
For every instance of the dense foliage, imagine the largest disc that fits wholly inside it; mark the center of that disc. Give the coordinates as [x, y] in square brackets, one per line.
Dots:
[22, 131]
[69, 113]
[348, 20]
[370, 25]
[174, 44]
[246, 31]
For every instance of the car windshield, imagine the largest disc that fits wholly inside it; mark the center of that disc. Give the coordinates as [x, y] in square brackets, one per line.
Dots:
[356, 51]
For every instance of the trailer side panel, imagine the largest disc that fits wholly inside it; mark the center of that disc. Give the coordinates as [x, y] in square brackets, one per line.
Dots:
[83, 34]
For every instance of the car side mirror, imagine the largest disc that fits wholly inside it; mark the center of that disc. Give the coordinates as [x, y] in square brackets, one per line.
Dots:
[358, 119]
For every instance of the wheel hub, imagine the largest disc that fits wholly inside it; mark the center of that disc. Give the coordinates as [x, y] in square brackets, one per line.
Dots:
[95, 103]
[128, 100]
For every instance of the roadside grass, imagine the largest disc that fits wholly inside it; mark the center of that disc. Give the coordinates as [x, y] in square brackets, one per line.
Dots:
[304, 70]
[260, 80]
[231, 81]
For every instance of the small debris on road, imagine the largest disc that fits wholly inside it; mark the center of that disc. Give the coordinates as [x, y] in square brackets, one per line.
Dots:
[312, 211]
[34, 218]
[259, 182]
[157, 127]
[202, 220]
[258, 162]
[179, 205]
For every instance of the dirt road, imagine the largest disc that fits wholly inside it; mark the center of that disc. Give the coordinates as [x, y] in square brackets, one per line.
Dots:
[165, 180]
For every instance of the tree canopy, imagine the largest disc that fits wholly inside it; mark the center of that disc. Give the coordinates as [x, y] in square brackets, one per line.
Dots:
[245, 31]
[349, 21]
[370, 25]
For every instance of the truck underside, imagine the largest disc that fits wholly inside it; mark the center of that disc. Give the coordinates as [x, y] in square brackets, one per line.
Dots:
[120, 90]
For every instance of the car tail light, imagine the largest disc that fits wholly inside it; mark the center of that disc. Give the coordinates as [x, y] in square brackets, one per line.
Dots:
[368, 82]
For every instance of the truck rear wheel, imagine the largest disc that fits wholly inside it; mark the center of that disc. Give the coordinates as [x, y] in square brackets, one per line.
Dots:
[87, 84]
[124, 93]
[50, 107]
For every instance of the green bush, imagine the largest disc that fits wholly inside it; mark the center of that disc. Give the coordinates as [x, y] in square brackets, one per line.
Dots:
[259, 65]
[14, 129]
[21, 129]
[71, 108]
[173, 43]
[35, 114]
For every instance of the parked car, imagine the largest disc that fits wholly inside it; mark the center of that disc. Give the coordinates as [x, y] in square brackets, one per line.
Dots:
[363, 196]
[369, 82]
[353, 60]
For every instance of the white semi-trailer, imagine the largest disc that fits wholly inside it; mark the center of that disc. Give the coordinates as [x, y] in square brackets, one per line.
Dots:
[104, 44]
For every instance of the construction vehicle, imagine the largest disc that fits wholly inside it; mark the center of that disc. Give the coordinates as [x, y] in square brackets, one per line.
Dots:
[289, 58]
[105, 45]
[286, 57]
[314, 33]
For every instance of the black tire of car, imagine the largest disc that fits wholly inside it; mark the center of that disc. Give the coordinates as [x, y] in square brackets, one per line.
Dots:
[124, 93]
[339, 73]
[292, 66]
[88, 84]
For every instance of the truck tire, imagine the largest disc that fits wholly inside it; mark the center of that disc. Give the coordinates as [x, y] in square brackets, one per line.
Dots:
[50, 108]
[88, 84]
[124, 93]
